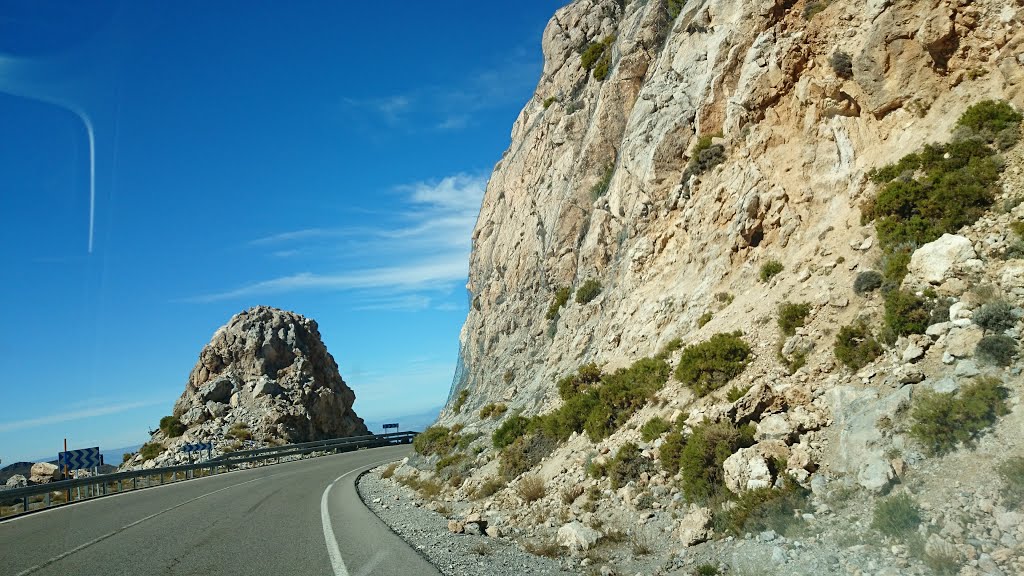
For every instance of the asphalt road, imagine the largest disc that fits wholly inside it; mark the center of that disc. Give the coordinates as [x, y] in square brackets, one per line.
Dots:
[300, 517]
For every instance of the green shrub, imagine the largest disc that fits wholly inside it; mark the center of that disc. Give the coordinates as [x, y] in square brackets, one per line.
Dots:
[671, 451]
[1012, 473]
[525, 453]
[549, 101]
[707, 570]
[513, 427]
[561, 297]
[675, 7]
[127, 456]
[770, 269]
[654, 428]
[435, 440]
[627, 465]
[669, 347]
[171, 426]
[842, 64]
[996, 316]
[586, 376]
[151, 450]
[239, 431]
[712, 364]
[792, 316]
[706, 155]
[990, 117]
[736, 392]
[588, 291]
[700, 462]
[489, 487]
[897, 516]
[942, 420]
[764, 509]
[460, 401]
[997, 349]
[492, 410]
[867, 281]
[1017, 227]
[450, 460]
[597, 57]
[856, 347]
[906, 313]
[600, 188]
[704, 319]
[813, 7]
[622, 393]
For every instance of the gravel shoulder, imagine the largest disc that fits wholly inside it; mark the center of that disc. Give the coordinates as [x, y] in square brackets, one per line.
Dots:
[427, 532]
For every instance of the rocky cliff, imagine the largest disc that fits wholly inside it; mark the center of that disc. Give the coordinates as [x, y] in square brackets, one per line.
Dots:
[595, 183]
[775, 322]
[265, 377]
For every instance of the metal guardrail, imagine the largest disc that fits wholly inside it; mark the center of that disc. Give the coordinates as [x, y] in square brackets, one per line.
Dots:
[103, 484]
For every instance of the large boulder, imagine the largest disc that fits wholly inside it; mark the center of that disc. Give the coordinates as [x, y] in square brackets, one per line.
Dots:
[17, 481]
[577, 537]
[747, 469]
[43, 472]
[935, 261]
[268, 369]
[695, 527]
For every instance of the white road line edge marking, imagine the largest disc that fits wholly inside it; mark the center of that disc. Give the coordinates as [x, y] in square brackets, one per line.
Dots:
[337, 562]
[38, 567]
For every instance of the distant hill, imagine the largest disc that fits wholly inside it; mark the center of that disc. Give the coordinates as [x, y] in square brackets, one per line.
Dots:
[416, 422]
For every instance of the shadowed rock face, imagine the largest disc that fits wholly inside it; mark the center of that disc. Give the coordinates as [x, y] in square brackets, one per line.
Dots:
[268, 369]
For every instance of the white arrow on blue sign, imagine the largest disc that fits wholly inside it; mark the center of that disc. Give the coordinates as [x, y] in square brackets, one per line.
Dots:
[198, 447]
[84, 459]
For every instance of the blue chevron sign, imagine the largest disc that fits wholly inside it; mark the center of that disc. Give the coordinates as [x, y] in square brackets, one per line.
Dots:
[198, 447]
[84, 459]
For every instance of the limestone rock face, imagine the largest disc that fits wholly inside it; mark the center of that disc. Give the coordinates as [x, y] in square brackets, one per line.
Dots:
[934, 261]
[595, 186]
[268, 370]
[43, 472]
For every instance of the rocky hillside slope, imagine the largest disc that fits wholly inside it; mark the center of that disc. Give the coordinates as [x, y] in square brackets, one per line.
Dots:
[707, 297]
[264, 378]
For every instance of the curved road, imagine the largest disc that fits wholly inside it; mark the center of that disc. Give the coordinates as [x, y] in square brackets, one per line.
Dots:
[300, 517]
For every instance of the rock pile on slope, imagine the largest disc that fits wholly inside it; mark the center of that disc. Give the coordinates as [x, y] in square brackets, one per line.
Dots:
[266, 377]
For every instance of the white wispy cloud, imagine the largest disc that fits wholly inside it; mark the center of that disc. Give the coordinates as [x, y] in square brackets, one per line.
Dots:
[426, 250]
[76, 414]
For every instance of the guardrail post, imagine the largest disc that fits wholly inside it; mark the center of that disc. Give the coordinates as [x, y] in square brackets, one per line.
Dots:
[24, 504]
[46, 500]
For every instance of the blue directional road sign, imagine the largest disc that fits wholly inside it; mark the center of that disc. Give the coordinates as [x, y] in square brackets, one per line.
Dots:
[386, 426]
[197, 447]
[84, 459]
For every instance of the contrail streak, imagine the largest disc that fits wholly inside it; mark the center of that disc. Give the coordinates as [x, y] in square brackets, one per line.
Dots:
[13, 89]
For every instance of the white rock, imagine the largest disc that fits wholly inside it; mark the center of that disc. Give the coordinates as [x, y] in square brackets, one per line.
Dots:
[695, 527]
[936, 260]
[938, 329]
[745, 470]
[577, 537]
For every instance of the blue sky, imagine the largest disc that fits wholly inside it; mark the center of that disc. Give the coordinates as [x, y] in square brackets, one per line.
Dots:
[322, 157]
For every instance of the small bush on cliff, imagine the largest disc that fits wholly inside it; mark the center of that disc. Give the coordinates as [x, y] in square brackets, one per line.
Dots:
[705, 156]
[700, 461]
[588, 291]
[770, 269]
[867, 281]
[793, 316]
[990, 118]
[561, 297]
[671, 451]
[171, 426]
[997, 349]
[1012, 473]
[842, 64]
[627, 465]
[856, 347]
[995, 316]
[460, 401]
[896, 516]
[943, 420]
[906, 313]
[435, 440]
[675, 7]
[712, 364]
[492, 410]
[597, 57]
[239, 431]
[531, 488]
[654, 428]
[151, 450]
[764, 509]
[513, 427]
[600, 187]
